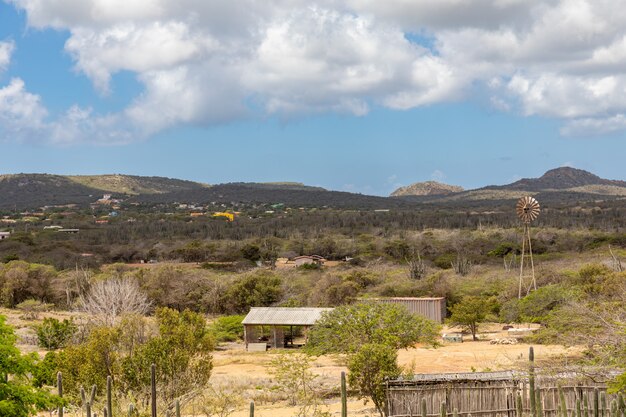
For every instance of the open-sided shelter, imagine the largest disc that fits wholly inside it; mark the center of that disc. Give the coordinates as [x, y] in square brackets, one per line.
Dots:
[278, 319]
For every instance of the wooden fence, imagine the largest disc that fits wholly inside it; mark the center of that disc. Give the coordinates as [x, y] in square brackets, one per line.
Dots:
[500, 394]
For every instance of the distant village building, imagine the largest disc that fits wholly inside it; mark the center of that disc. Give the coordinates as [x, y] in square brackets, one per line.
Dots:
[69, 231]
[309, 260]
[4, 235]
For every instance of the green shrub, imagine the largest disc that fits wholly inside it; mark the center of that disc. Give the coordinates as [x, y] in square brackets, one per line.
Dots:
[445, 261]
[53, 334]
[228, 328]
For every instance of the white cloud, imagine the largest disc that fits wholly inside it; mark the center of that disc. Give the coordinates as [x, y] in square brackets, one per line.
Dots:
[594, 126]
[438, 176]
[204, 63]
[6, 49]
[21, 113]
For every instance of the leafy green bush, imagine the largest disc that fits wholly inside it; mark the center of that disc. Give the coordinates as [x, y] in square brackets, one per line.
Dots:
[445, 261]
[32, 308]
[504, 249]
[310, 267]
[18, 398]
[228, 328]
[256, 290]
[53, 334]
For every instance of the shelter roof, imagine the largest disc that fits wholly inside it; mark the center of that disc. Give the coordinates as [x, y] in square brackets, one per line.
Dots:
[289, 316]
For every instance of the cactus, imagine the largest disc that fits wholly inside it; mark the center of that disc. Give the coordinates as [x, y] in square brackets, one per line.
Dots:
[614, 408]
[519, 406]
[109, 408]
[424, 408]
[60, 392]
[344, 396]
[621, 406]
[578, 411]
[177, 408]
[531, 382]
[539, 404]
[88, 402]
[131, 410]
[251, 408]
[153, 390]
[562, 402]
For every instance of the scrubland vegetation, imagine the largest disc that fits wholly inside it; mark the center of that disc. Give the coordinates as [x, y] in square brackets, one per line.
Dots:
[96, 320]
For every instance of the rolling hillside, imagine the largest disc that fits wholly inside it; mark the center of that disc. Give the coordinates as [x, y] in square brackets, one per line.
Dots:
[561, 186]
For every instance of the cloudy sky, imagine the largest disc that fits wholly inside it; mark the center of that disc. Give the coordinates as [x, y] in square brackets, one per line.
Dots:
[356, 95]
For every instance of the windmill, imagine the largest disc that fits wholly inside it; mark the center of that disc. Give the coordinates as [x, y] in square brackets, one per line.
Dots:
[527, 209]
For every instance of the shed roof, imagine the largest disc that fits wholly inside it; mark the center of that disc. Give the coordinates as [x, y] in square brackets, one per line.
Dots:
[290, 316]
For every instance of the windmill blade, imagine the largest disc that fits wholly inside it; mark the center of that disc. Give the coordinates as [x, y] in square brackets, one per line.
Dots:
[527, 209]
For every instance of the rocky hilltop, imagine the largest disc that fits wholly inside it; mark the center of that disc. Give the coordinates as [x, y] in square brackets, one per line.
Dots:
[426, 188]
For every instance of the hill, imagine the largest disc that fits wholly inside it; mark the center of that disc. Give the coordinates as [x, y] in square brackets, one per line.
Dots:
[135, 185]
[564, 178]
[291, 195]
[426, 188]
[31, 191]
[561, 186]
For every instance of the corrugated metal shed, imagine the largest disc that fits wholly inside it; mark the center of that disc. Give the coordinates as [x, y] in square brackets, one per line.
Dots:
[433, 308]
[284, 316]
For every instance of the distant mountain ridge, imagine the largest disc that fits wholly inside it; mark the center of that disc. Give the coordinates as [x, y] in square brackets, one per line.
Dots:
[560, 179]
[426, 188]
[561, 185]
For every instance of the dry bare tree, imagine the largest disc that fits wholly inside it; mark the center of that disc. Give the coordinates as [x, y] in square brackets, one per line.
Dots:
[108, 300]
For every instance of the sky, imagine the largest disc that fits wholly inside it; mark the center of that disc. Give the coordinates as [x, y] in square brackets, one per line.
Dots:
[353, 95]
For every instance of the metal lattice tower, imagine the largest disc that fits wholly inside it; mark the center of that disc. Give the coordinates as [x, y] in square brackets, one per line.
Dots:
[527, 209]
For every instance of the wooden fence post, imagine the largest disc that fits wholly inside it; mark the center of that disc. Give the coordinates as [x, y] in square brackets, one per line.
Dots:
[153, 390]
[531, 382]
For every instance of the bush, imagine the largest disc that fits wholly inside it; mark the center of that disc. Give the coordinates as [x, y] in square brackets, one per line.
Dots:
[259, 290]
[228, 328]
[53, 334]
[32, 308]
[445, 261]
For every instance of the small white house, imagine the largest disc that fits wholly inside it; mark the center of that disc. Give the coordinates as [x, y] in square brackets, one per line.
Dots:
[4, 235]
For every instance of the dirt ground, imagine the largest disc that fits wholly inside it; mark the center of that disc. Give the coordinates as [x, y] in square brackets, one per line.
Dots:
[233, 366]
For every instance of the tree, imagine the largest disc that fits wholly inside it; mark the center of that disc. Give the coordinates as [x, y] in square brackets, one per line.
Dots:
[370, 334]
[54, 334]
[369, 367]
[296, 380]
[345, 329]
[18, 398]
[181, 352]
[108, 300]
[259, 290]
[471, 311]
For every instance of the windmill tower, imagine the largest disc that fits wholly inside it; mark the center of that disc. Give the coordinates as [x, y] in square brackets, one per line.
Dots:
[527, 209]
